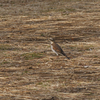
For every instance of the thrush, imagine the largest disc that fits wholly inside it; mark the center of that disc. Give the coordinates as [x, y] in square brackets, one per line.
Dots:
[56, 48]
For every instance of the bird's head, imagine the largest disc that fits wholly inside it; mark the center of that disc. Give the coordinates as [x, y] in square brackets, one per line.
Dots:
[51, 40]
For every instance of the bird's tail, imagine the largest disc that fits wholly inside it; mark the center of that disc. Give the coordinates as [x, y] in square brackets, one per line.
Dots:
[66, 56]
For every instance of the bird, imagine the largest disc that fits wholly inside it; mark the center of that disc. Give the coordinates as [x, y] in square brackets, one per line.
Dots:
[56, 48]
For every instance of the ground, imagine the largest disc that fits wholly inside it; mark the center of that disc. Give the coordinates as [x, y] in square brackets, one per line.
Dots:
[29, 70]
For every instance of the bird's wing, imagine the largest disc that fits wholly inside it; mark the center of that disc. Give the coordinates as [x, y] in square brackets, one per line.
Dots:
[57, 48]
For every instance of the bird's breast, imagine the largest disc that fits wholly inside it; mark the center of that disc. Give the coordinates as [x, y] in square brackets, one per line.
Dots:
[51, 42]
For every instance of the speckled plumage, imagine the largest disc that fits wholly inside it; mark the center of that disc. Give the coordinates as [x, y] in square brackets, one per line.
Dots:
[56, 48]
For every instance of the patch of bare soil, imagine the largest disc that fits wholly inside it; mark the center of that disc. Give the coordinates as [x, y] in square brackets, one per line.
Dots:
[29, 70]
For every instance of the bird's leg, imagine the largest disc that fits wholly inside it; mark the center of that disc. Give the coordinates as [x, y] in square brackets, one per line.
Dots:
[57, 55]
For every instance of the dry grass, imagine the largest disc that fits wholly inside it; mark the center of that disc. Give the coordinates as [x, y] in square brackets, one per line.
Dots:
[29, 69]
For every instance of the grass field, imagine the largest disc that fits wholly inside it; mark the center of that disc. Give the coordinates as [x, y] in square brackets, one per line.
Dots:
[29, 70]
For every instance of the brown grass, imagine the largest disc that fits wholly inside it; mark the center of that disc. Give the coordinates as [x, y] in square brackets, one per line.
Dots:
[29, 69]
